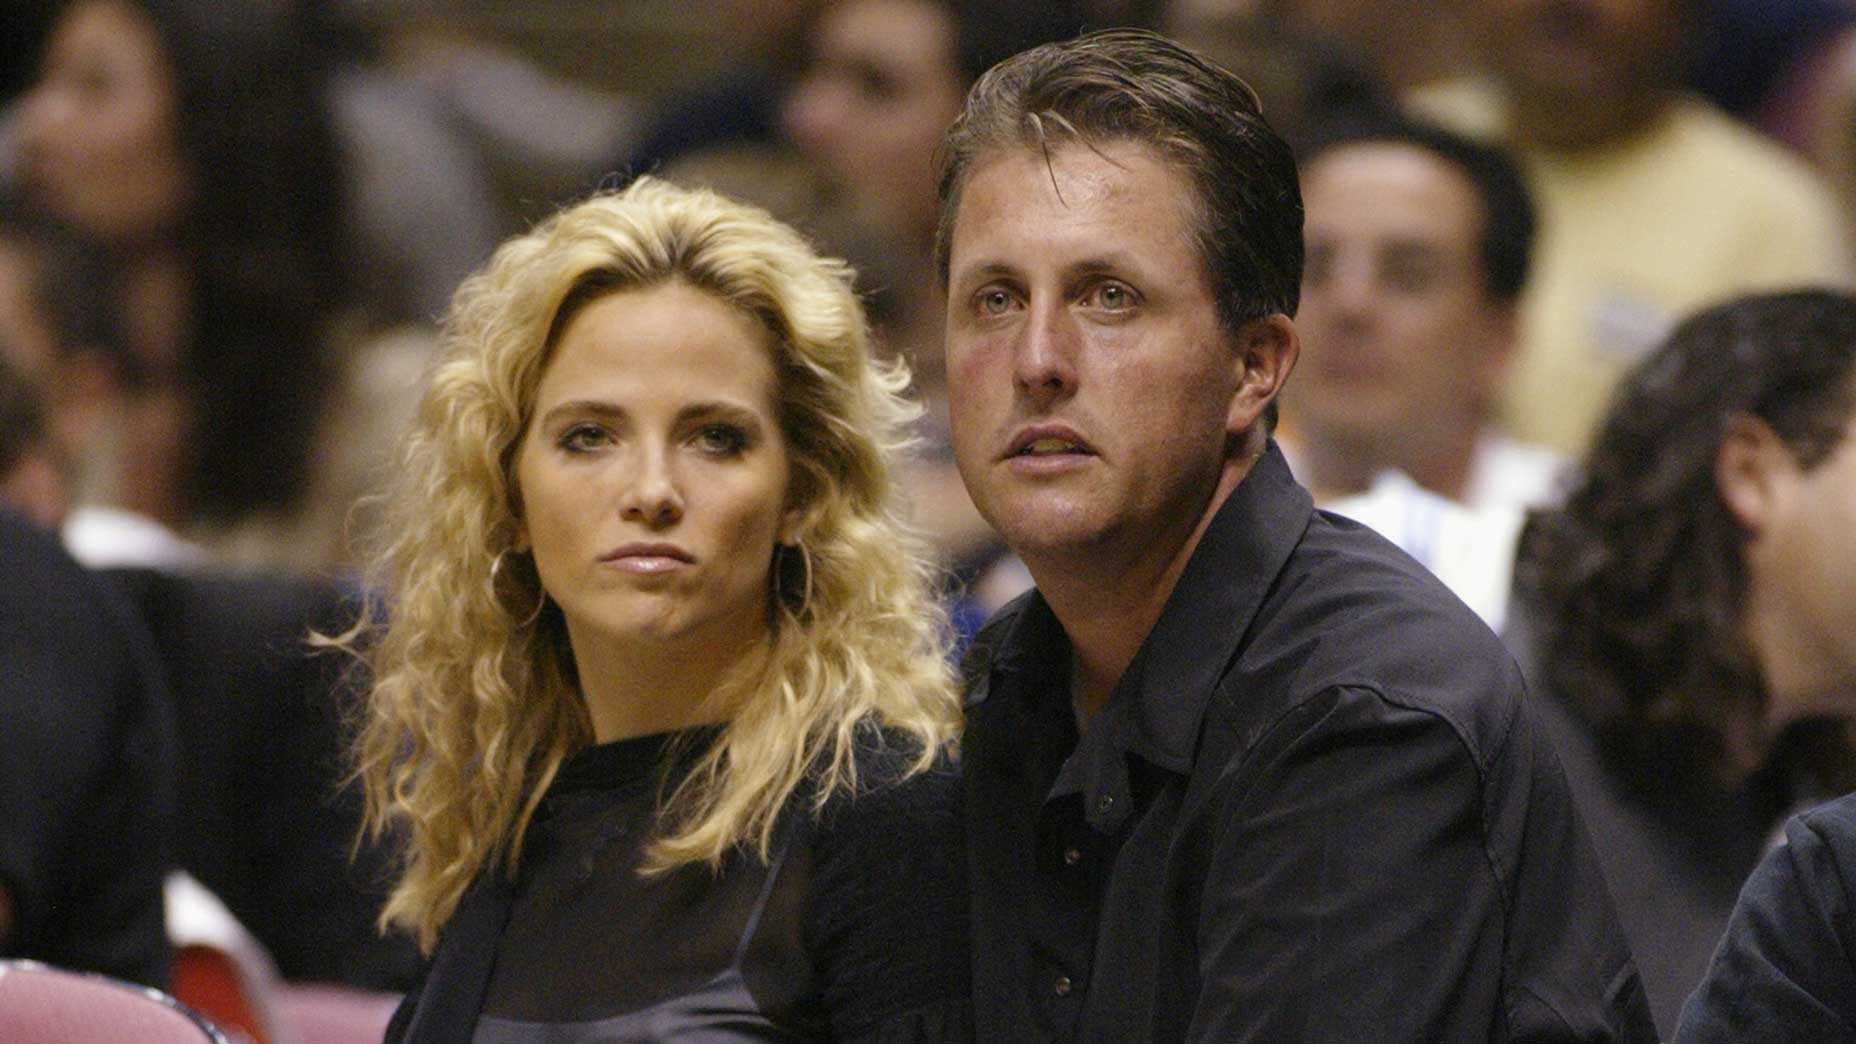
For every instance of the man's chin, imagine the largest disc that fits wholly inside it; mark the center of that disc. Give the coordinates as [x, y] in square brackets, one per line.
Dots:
[1051, 532]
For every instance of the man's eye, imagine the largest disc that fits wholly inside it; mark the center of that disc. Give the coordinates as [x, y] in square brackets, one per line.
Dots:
[994, 302]
[722, 440]
[1112, 296]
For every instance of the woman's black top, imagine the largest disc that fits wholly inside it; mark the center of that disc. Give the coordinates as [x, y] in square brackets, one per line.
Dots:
[853, 930]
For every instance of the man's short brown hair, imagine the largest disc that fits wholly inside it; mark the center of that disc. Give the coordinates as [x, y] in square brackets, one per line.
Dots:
[1130, 85]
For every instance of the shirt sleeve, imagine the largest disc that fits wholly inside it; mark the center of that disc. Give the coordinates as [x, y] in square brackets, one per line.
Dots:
[887, 918]
[1783, 971]
[1355, 892]
[85, 770]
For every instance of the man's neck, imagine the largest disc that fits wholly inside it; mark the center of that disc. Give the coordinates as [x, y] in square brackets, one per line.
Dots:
[1551, 124]
[1336, 468]
[1108, 602]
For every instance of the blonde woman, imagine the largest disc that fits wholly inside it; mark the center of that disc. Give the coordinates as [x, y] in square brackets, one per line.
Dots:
[660, 705]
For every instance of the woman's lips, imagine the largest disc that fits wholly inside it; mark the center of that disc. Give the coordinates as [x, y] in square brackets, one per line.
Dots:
[647, 559]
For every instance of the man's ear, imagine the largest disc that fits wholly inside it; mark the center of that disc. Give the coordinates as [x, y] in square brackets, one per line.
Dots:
[1752, 468]
[1266, 351]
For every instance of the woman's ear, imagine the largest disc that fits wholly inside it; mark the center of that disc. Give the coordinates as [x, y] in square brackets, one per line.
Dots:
[794, 524]
[1751, 469]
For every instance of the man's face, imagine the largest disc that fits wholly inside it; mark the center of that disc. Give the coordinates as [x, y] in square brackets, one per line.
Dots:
[1806, 555]
[882, 86]
[1090, 384]
[1403, 343]
[1587, 52]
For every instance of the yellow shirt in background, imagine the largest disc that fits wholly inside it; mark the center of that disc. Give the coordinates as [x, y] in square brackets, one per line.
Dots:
[1638, 234]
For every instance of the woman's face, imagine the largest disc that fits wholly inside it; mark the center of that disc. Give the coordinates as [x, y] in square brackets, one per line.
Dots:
[653, 474]
[100, 130]
[882, 88]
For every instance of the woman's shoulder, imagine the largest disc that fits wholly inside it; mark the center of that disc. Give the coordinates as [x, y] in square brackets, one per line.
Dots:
[887, 913]
[889, 788]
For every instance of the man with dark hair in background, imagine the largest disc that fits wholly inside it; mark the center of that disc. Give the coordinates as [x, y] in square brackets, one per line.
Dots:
[86, 789]
[1418, 247]
[1236, 769]
[1692, 612]
[1418, 243]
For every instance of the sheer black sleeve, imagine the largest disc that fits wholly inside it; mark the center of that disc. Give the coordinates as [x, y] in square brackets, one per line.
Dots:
[886, 920]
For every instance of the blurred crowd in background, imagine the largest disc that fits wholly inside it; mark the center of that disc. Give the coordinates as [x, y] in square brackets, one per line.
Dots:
[229, 230]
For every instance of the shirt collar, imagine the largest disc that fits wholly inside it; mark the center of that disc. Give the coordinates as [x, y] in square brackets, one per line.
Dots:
[1167, 687]
[1157, 707]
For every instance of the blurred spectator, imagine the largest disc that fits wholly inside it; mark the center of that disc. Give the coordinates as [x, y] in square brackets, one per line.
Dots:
[542, 138]
[59, 322]
[422, 210]
[743, 107]
[1418, 249]
[1304, 79]
[192, 141]
[1652, 201]
[1400, 45]
[1693, 614]
[882, 81]
[85, 799]
[189, 139]
[268, 826]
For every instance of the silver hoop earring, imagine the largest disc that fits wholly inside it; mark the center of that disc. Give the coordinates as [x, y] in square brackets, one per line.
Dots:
[496, 571]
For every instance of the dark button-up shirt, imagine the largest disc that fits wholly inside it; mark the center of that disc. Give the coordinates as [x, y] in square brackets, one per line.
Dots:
[1315, 808]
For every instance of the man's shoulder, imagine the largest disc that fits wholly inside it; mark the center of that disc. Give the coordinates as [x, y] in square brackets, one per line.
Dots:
[1353, 614]
[983, 651]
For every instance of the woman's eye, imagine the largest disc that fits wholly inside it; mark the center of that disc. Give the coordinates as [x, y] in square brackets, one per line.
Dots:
[722, 440]
[582, 438]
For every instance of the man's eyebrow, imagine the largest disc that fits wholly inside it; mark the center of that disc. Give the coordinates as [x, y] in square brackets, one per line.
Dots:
[1097, 265]
[986, 270]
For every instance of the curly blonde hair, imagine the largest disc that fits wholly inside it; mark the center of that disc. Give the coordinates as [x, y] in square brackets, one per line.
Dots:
[474, 702]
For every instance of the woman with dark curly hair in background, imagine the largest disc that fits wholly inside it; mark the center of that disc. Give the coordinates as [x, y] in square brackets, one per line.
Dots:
[190, 138]
[1693, 609]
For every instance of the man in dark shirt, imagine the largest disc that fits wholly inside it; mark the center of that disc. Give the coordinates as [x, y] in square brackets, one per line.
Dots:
[1786, 969]
[1236, 770]
[85, 769]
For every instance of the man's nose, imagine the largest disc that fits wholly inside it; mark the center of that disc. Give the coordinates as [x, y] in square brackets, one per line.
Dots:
[1044, 358]
[653, 496]
[815, 110]
[1350, 287]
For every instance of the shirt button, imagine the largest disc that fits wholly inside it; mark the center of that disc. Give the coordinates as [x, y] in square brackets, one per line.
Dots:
[1071, 857]
[1062, 986]
[1104, 803]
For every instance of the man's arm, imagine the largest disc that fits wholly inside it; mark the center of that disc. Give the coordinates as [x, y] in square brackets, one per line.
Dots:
[1363, 889]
